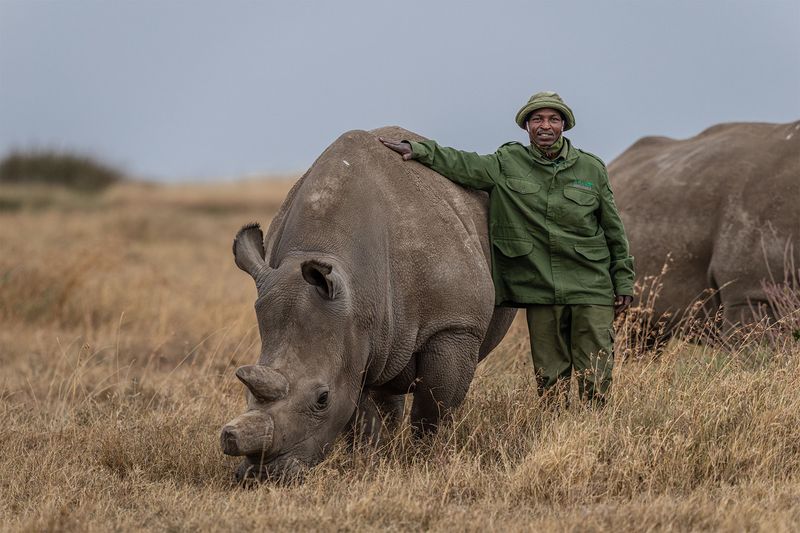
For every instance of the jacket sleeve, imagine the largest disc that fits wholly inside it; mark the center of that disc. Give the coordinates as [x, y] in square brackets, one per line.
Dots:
[622, 274]
[465, 168]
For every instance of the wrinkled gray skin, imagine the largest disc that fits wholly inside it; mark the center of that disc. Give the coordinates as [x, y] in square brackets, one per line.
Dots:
[373, 281]
[724, 204]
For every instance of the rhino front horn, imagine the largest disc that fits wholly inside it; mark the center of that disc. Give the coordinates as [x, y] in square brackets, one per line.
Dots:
[248, 434]
[265, 383]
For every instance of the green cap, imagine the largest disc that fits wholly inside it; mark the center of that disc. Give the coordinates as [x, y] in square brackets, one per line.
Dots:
[546, 99]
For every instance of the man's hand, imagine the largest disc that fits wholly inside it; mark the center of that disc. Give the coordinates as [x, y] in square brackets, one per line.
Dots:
[621, 304]
[402, 148]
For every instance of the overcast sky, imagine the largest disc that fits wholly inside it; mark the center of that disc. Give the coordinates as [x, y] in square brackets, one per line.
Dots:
[180, 90]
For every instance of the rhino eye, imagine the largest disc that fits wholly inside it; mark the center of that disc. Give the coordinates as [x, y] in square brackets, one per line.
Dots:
[322, 400]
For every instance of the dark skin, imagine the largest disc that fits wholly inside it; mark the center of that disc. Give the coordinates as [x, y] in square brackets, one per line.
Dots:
[621, 304]
[402, 148]
[544, 127]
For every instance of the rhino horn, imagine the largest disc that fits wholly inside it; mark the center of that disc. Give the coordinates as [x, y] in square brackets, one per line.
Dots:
[248, 250]
[265, 383]
[322, 275]
[247, 434]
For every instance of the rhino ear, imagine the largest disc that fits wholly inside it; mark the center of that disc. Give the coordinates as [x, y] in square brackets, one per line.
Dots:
[248, 250]
[324, 277]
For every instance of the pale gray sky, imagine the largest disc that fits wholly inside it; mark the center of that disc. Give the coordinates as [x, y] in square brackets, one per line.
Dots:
[176, 90]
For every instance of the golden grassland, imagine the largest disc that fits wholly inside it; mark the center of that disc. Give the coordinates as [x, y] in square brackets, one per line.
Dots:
[123, 316]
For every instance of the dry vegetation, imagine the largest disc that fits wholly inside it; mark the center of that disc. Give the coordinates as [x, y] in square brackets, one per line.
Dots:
[123, 316]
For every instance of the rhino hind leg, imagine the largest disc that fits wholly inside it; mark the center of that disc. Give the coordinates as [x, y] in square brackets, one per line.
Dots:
[736, 314]
[502, 318]
[445, 367]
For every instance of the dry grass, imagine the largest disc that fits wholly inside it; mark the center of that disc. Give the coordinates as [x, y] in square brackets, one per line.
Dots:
[122, 321]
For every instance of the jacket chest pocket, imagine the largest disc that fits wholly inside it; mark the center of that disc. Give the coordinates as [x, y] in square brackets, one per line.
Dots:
[512, 240]
[581, 197]
[523, 186]
[578, 209]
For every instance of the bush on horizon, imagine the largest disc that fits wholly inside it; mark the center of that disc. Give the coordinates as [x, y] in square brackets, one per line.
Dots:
[51, 167]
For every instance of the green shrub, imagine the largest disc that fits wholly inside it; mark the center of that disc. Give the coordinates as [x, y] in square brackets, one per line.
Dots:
[58, 168]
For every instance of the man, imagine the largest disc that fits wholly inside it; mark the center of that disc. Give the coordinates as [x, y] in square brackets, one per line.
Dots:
[558, 245]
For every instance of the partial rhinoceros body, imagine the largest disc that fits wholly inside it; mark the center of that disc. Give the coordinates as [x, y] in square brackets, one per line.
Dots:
[373, 281]
[724, 204]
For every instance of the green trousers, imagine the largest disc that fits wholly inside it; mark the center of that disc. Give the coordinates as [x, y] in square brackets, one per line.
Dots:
[572, 337]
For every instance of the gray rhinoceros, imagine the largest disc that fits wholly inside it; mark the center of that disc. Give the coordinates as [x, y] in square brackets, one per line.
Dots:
[724, 204]
[374, 281]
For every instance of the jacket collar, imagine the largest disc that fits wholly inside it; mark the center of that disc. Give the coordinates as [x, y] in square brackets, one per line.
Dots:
[568, 154]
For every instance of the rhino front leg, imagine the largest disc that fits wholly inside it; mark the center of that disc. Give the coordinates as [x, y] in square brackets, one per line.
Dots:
[445, 367]
[378, 412]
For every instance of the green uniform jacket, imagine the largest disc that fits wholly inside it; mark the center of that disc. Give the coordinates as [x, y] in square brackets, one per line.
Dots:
[556, 234]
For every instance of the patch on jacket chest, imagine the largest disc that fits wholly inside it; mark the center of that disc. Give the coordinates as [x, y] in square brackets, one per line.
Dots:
[582, 184]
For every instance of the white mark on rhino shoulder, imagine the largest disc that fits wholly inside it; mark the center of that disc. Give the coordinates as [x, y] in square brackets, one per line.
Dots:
[314, 198]
[323, 194]
[345, 162]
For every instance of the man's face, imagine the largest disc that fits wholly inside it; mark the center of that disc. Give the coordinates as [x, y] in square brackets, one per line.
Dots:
[545, 126]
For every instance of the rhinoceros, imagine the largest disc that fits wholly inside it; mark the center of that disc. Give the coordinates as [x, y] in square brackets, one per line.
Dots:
[725, 204]
[374, 281]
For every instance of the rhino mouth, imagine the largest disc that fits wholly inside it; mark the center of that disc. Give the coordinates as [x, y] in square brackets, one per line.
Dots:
[281, 469]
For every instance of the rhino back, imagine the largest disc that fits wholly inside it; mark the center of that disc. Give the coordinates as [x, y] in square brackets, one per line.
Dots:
[721, 203]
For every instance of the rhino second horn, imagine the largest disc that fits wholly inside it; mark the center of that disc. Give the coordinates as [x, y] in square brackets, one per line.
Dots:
[265, 383]
[248, 434]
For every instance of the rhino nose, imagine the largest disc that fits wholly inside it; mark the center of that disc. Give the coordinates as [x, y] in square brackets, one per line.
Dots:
[250, 433]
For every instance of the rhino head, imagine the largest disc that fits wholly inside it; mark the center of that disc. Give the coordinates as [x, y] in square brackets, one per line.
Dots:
[305, 387]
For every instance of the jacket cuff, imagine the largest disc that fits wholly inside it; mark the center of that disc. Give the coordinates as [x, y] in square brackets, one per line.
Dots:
[623, 276]
[623, 290]
[419, 151]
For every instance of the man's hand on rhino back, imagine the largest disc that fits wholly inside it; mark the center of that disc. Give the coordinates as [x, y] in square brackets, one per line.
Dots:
[402, 148]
